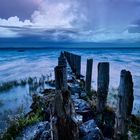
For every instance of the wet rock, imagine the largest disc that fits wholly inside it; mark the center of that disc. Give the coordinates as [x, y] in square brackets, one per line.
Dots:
[45, 135]
[42, 131]
[78, 119]
[90, 131]
[74, 88]
[83, 94]
[87, 115]
[75, 96]
[81, 105]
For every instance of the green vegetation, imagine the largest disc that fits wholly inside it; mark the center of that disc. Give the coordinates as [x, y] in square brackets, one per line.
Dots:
[18, 125]
[8, 85]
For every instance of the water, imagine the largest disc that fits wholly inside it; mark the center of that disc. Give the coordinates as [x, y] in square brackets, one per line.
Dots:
[16, 64]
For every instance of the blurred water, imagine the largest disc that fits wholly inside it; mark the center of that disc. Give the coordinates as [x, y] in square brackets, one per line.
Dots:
[35, 62]
[16, 65]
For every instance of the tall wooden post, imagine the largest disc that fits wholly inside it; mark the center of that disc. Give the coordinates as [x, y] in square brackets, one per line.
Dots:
[78, 66]
[89, 75]
[102, 85]
[60, 77]
[125, 105]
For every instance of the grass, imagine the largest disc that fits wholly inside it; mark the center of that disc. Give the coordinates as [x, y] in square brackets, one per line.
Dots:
[18, 125]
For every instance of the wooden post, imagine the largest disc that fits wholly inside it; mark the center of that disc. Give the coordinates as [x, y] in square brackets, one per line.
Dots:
[125, 105]
[60, 77]
[102, 85]
[62, 60]
[74, 62]
[89, 75]
[78, 66]
[65, 128]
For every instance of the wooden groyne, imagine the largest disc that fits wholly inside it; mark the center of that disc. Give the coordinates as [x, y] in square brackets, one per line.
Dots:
[74, 111]
[74, 62]
[125, 100]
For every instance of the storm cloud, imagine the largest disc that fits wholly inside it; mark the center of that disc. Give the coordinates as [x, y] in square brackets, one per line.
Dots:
[97, 20]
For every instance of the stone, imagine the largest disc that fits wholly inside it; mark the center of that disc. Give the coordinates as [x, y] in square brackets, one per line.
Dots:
[75, 96]
[83, 94]
[81, 105]
[90, 131]
[42, 128]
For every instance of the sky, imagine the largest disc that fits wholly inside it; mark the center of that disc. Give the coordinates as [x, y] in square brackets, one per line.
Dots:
[71, 20]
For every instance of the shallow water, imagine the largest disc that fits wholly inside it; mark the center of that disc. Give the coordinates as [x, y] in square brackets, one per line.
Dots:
[34, 62]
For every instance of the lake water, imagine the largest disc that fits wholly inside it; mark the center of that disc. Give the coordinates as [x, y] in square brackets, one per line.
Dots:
[16, 64]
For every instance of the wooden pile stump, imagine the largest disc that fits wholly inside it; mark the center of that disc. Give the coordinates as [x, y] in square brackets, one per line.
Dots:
[125, 105]
[102, 86]
[88, 75]
[61, 73]
[65, 128]
[62, 60]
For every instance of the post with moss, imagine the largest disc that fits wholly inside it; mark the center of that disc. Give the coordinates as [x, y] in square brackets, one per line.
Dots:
[125, 105]
[60, 77]
[102, 86]
[88, 75]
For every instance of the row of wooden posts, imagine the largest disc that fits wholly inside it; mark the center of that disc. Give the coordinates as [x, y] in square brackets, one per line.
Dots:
[125, 95]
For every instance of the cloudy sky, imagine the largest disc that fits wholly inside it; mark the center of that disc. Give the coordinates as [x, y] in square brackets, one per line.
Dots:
[76, 20]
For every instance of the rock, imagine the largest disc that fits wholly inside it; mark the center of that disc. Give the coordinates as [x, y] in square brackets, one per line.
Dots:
[83, 94]
[42, 131]
[45, 135]
[90, 131]
[93, 136]
[81, 105]
[75, 96]
[78, 119]
[83, 108]
[87, 127]
[74, 88]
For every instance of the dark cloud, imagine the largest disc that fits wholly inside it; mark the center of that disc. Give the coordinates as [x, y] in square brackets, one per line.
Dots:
[21, 8]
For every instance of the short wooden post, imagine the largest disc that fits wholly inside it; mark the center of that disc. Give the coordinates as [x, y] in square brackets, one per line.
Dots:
[65, 128]
[60, 77]
[125, 105]
[89, 75]
[102, 85]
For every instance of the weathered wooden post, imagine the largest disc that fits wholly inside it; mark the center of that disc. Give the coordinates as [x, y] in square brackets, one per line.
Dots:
[102, 86]
[62, 60]
[88, 75]
[65, 128]
[125, 105]
[78, 66]
[74, 63]
[60, 77]
[70, 62]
